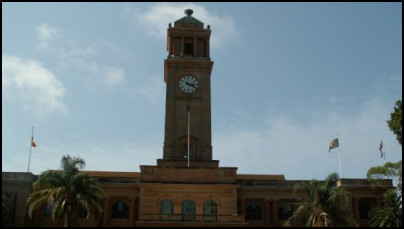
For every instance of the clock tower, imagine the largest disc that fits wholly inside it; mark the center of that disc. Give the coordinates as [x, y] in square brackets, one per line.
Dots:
[187, 71]
[187, 176]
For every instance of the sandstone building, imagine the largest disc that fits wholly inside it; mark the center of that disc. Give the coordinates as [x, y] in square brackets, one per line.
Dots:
[187, 187]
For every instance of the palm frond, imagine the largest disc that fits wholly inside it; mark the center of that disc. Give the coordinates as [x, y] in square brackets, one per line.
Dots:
[69, 191]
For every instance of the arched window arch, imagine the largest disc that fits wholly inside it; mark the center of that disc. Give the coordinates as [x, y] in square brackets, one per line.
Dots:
[210, 207]
[253, 211]
[166, 209]
[188, 210]
[120, 210]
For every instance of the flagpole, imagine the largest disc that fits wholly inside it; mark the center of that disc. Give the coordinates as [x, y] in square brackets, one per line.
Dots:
[340, 161]
[384, 152]
[30, 149]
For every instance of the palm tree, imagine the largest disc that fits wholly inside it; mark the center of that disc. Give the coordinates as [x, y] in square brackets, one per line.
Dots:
[327, 204]
[68, 191]
[390, 215]
[4, 209]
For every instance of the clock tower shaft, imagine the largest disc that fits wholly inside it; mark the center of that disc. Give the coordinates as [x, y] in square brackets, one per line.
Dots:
[188, 112]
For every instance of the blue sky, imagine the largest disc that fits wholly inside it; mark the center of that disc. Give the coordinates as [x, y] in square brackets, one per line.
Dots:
[287, 79]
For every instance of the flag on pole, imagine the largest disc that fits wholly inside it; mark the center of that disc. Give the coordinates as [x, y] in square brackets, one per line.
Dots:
[381, 149]
[32, 142]
[333, 144]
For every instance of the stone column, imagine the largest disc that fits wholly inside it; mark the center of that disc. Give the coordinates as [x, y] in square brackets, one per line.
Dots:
[267, 213]
[107, 209]
[207, 48]
[182, 46]
[275, 213]
[242, 208]
[132, 211]
[195, 46]
[356, 208]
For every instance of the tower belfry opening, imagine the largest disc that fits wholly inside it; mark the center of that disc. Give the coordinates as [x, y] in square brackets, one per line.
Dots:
[188, 38]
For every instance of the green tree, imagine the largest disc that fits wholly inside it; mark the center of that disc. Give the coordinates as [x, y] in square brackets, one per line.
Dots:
[69, 191]
[390, 215]
[396, 121]
[4, 209]
[387, 171]
[327, 204]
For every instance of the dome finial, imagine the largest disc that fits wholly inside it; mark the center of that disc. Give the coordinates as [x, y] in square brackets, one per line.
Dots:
[188, 12]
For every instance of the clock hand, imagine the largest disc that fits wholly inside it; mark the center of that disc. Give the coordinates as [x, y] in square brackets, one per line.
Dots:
[190, 84]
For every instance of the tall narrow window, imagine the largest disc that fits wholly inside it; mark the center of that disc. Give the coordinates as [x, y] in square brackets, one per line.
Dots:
[120, 210]
[188, 49]
[184, 147]
[210, 211]
[166, 209]
[210, 207]
[188, 210]
[285, 210]
[253, 212]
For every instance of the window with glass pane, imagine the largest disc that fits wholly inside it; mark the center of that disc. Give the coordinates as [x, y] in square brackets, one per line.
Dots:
[166, 209]
[120, 209]
[210, 210]
[253, 211]
[285, 210]
[188, 210]
[210, 207]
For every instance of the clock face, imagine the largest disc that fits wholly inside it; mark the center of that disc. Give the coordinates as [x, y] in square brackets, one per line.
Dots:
[188, 84]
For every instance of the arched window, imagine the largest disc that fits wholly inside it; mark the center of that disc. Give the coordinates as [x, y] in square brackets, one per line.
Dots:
[210, 207]
[253, 211]
[210, 210]
[120, 209]
[166, 209]
[188, 210]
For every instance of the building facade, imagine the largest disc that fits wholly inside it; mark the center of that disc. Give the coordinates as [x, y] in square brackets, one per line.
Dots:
[187, 187]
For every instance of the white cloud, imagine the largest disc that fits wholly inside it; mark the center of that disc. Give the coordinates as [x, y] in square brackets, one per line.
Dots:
[113, 76]
[153, 89]
[84, 58]
[300, 150]
[99, 156]
[155, 21]
[46, 33]
[27, 81]
[96, 73]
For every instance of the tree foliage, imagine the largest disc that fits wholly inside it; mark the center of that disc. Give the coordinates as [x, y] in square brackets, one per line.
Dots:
[396, 121]
[68, 191]
[390, 214]
[387, 171]
[4, 209]
[327, 204]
